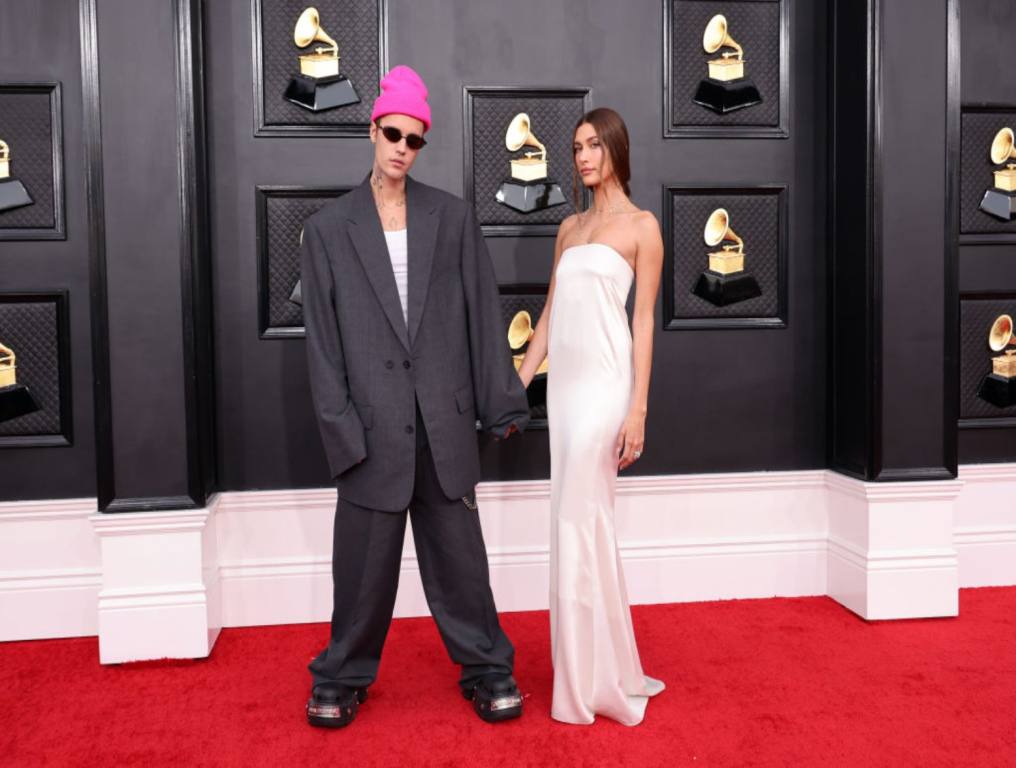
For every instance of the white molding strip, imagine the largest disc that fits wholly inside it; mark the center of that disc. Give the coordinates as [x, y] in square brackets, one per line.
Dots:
[50, 569]
[263, 557]
[985, 534]
[988, 473]
[46, 509]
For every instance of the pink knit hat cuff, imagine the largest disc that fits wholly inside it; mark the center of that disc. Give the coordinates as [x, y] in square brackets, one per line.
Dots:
[403, 92]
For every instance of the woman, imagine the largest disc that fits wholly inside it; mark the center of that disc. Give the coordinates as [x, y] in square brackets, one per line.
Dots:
[597, 391]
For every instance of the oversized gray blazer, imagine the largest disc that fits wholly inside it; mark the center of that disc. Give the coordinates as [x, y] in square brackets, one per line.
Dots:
[367, 369]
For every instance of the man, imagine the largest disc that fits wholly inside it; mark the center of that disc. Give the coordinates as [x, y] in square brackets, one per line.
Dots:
[406, 349]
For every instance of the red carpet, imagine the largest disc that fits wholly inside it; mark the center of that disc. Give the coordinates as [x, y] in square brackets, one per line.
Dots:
[761, 682]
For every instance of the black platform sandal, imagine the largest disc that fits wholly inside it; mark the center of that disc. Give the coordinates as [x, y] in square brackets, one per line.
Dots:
[333, 705]
[495, 698]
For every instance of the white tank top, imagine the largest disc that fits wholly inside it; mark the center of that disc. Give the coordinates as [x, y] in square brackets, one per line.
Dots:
[398, 252]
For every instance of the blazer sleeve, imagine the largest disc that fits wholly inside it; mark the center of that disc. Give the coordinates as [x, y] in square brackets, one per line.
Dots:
[341, 429]
[497, 389]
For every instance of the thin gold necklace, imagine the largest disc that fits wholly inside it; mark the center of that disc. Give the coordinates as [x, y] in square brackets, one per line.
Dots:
[393, 220]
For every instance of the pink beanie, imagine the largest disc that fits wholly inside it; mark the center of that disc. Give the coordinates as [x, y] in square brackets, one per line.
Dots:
[403, 93]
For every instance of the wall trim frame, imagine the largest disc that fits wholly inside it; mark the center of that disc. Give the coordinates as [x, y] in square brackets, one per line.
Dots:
[671, 323]
[59, 229]
[984, 422]
[101, 373]
[65, 438]
[951, 315]
[307, 131]
[196, 378]
[262, 192]
[195, 251]
[861, 459]
[781, 131]
[469, 92]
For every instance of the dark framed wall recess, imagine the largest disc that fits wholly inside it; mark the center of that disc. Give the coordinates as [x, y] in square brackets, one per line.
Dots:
[360, 29]
[531, 298]
[977, 313]
[755, 102]
[489, 166]
[978, 193]
[35, 325]
[31, 125]
[696, 296]
[281, 211]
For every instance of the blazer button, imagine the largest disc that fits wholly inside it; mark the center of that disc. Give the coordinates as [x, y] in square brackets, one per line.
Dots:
[406, 364]
[409, 430]
[389, 364]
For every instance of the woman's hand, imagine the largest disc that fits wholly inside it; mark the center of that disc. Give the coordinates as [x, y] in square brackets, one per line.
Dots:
[631, 439]
[522, 377]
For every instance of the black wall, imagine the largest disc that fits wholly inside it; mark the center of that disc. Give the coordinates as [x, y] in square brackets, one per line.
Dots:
[771, 414]
[160, 263]
[893, 296]
[987, 263]
[40, 41]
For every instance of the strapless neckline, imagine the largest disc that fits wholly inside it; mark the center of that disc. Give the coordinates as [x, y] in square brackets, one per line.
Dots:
[610, 248]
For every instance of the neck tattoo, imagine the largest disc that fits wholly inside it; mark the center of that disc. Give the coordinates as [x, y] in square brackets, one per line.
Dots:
[375, 182]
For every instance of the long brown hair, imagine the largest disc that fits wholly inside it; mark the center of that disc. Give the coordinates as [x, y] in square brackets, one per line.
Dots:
[613, 135]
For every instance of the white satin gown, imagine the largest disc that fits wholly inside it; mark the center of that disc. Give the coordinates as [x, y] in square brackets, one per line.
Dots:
[596, 662]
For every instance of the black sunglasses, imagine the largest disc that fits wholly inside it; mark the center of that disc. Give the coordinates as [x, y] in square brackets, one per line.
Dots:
[413, 140]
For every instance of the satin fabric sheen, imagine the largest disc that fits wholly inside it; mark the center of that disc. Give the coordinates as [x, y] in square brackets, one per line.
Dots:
[596, 662]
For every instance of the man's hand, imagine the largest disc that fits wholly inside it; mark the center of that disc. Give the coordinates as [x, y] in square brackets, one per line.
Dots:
[512, 429]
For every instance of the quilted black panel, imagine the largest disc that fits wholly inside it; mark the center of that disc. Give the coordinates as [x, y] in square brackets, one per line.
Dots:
[32, 331]
[284, 214]
[977, 131]
[353, 24]
[552, 119]
[755, 25]
[532, 301]
[976, 317]
[26, 125]
[755, 217]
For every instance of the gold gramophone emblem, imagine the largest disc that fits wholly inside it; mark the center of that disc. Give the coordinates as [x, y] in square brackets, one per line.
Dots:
[999, 386]
[725, 281]
[726, 88]
[1002, 152]
[533, 166]
[12, 192]
[15, 399]
[528, 189]
[1000, 201]
[5, 160]
[730, 64]
[520, 331]
[319, 86]
[7, 367]
[730, 258]
[324, 61]
[999, 338]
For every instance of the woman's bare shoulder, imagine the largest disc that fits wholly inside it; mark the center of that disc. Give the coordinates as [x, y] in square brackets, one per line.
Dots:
[568, 224]
[646, 224]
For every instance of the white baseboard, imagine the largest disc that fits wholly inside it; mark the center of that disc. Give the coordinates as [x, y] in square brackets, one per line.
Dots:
[160, 585]
[50, 569]
[265, 557]
[985, 531]
[676, 536]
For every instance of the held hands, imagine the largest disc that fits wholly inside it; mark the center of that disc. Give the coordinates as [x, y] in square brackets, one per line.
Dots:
[631, 439]
[512, 429]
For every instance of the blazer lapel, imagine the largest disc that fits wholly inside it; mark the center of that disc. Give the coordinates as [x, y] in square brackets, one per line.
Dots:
[372, 250]
[422, 224]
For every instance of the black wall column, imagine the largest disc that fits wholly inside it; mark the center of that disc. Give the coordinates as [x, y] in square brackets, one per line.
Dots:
[893, 294]
[151, 308]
